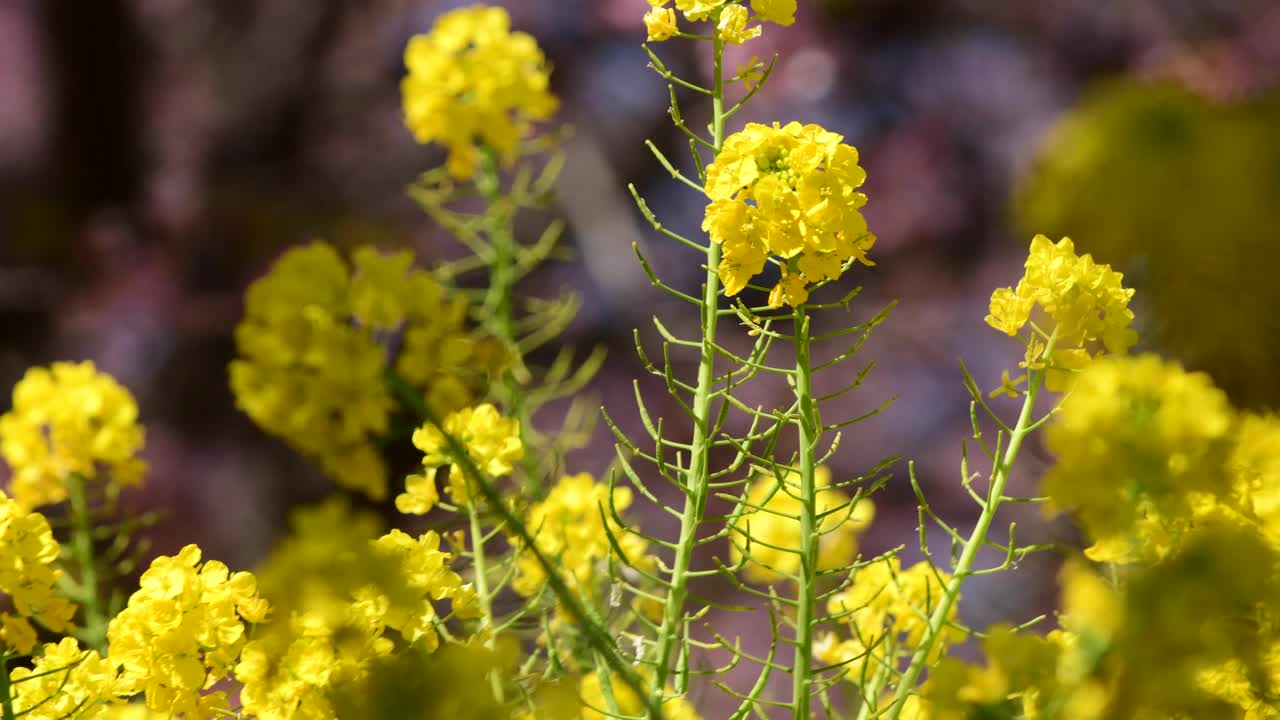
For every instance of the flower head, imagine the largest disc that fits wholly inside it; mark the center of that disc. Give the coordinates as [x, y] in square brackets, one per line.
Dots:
[1142, 446]
[312, 363]
[787, 193]
[182, 631]
[28, 577]
[1085, 301]
[730, 16]
[69, 419]
[66, 681]
[768, 530]
[473, 83]
[492, 442]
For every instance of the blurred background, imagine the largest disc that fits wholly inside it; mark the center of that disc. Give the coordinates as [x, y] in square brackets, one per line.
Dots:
[157, 155]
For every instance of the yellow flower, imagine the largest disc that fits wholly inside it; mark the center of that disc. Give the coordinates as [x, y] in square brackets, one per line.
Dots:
[768, 530]
[595, 706]
[69, 419]
[1086, 302]
[789, 192]
[882, 602]
[733, 25]
[65, 681]
[572, 527]
[473, 83]
[491, 441]
[28, 577]
[781, 12]
[661, 23]
[312, 362]
[182, 631]
[342, 596]
[1139, 443]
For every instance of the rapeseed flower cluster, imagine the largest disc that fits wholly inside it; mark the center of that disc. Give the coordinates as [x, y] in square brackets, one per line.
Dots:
[572, 526]
[766, 535]
[1143, 451]
[182, 631]
[316, 344]
[67, 681]
[1085, 301]
[885, 611]
[787, 193]
[345, 596]
[69, 420]
[731, 18]
[474, 85]
[492, 442]
[28, 578]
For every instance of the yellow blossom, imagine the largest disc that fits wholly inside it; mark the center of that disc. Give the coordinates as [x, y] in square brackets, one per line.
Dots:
[1137, 438]
[491, 441]
[572, 526]
[884, 606]
[1085, 301]
[28, 577]
[768, 530]
[781, 12]
[69, 419]
[790, 193]
[313, 364]
[66, 681]
[595, 706]
[182, 631]
[473, 83]
[733, 25]
[661, 23]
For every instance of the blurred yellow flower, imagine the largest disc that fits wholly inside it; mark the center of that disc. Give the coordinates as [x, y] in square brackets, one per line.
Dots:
[69, 419]
[473, 83]
[491, 441]
[28, 578]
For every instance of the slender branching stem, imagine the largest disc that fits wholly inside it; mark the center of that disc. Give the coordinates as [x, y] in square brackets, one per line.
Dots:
[697, 477]
[963, 569]
[6, 690]
[499, 302]
[807, 591]
[481, 569]
[94, 632]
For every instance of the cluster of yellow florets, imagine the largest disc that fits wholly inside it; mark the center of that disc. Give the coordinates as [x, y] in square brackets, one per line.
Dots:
[788, 192]
[183, 630]
[346, 597]
[886, 613]
[67, 681]
[1085, 301]
[572, 526]
[1143, 444]
[492, 442]
[731, 18]
[596, 705]
[473, 83]
[28, 578]
[69, 420]
[767, 532]
[315, 349]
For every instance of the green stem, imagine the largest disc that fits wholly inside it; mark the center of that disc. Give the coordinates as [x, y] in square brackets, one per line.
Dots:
[801, 672]
[94, 632]
[499, 303]
[697, 477]
[6, 690]
[964, 564]
[480, 562]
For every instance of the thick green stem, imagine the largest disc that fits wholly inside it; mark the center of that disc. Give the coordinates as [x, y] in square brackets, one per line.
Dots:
[697, 477]
[481, 566]
[964, 564]
[807, 592]
[6, 690]
[499, 302]
[94, 632]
